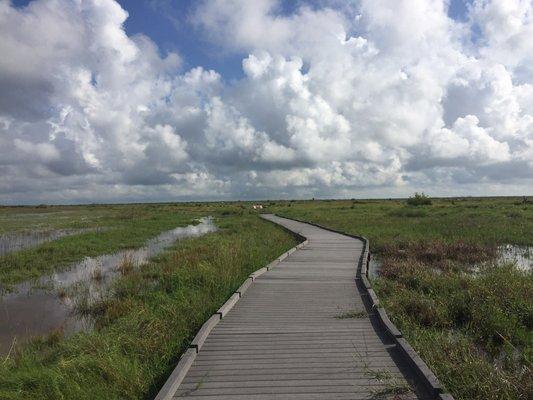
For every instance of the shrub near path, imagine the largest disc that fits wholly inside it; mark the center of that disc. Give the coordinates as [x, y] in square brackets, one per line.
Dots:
[469, 317]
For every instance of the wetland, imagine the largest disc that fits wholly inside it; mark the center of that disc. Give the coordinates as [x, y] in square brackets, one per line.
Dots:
[453, 274]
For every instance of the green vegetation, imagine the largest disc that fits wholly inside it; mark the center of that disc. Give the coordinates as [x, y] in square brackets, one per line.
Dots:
[148, 317]
[488, 221]
[124, 227]
[393, 387]
[29, 218]
[419, 199]
[469, 317]
[480, 322]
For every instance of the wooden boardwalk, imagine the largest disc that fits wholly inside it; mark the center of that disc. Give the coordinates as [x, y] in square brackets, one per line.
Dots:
[301, 331]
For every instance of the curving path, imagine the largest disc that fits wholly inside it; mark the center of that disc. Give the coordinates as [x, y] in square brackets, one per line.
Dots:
[301, 331]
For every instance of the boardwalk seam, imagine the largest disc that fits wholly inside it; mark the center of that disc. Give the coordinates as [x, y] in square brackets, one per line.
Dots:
[173, 382]
[427, 376]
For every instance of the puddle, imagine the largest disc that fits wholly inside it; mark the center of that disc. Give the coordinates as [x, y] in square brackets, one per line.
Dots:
[11, 242]
[521, 256]
[37, 312]
[373, 267]
[28, 311]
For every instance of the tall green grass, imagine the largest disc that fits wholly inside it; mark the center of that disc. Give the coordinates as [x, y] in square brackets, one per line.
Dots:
[147, 320]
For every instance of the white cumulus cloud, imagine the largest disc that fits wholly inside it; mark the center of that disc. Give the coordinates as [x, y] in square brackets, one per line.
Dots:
[366, 98]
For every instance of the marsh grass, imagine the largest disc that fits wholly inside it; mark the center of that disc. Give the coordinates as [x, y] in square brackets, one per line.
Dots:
[434, 254]
[408, 212]
[469, 317]
[62, 293]
[473, 220]
[493, 307]
[97, 275]
[392, 391]
[126, 227]
[147, 318]
[127, 265]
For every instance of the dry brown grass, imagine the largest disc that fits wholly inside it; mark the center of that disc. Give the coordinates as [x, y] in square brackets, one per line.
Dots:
[127, 265]
[438, 254]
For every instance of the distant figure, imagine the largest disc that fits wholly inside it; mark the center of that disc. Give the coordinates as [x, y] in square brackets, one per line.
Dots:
[257, 206]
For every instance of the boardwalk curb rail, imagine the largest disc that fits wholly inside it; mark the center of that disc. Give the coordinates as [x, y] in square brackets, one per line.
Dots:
[228, 305]
[187, 358]
[445, 396]
[244, 287]
[258, 273]
[427, 376]
[175, 379]
[202, 334]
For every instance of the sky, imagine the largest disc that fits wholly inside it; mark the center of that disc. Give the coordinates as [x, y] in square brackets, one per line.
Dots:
[162, 100]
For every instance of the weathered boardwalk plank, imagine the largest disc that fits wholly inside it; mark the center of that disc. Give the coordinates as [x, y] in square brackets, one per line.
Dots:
[290, 335]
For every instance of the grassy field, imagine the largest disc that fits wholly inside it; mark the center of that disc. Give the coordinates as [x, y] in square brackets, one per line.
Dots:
[150, 314]
[121, 227]
[481, 220]
[468, 315]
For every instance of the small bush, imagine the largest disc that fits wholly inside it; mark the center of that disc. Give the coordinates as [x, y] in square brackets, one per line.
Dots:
[419, 199]
[514, 214]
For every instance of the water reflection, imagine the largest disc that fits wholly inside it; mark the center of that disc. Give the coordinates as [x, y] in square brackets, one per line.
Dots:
[373, 267]
[11, 242]
[521, 256]
[31, 311]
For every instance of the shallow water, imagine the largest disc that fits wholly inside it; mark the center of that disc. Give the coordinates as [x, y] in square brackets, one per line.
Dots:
[11, 242]
[32, 311]
[521, 256]
[373, 267]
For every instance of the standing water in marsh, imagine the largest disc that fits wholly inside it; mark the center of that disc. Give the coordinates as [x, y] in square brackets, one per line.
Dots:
[18, 241]
[38, 309]
[522, 256]
[373, 267]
